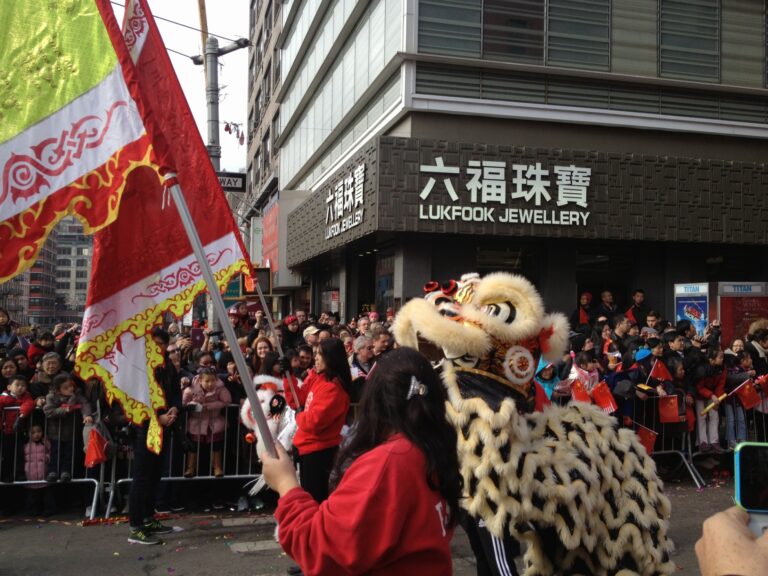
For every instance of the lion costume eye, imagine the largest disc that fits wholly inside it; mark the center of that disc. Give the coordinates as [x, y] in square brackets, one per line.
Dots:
[504, 311]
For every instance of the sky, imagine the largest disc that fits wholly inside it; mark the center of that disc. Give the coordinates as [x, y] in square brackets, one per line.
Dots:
[227, 18]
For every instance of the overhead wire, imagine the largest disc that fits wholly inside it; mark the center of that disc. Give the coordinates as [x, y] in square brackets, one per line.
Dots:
[156, 17]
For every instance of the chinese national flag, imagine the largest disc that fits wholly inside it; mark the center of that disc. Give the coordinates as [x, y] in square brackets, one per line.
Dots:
[668, 409]
[579, 392]
[604, 399]
[660, 372]
[647, 438]
[96, 452]
[748, 395]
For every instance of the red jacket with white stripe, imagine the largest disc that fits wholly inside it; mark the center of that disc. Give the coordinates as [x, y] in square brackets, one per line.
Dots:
[383, 519]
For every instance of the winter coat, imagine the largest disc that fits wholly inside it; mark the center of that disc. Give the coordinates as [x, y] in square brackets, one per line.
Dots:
[547, 385]
[8, 417]
[759, 357]
[709, 381]
[37, 456]
[60, 413]
[210, 423]
[325, 411]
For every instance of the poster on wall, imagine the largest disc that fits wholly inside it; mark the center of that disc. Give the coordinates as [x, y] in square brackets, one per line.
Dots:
[692, 303]
[741, 303]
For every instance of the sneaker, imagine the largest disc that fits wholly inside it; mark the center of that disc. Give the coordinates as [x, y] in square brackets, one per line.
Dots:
[295, 570]
[143, 537]
[52, 477]
[65, 477]
[242, 504]
[704, 447]
[717, 449]
[155, 527]
[177, 508]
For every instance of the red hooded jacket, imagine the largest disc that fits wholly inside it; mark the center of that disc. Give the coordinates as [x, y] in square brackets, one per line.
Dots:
[383, 519]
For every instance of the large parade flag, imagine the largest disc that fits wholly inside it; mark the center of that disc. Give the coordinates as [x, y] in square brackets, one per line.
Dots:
[70, 128]
[143, 264]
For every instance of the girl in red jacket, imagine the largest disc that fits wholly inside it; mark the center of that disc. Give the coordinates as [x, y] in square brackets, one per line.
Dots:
[709, 382]
[319, 425]
[398, 473]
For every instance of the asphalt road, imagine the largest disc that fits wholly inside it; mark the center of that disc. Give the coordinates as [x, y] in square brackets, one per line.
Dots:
[212, 544]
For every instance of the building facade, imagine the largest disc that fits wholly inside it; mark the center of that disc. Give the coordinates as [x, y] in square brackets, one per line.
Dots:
[14, 297]
[586, 144]
[42, 284]
[74, 253]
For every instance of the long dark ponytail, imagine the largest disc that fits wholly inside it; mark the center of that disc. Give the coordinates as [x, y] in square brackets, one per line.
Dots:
[385, 409]
[336, 364]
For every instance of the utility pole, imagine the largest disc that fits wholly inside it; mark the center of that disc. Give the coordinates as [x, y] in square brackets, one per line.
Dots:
[211, 61]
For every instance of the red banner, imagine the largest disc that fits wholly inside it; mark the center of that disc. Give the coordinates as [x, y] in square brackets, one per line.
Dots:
[579, 392]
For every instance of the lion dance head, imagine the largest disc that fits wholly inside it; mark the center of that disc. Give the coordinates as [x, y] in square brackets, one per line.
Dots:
[582, 493]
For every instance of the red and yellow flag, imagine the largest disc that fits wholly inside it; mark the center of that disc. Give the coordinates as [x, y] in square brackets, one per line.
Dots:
[748, 395]
[143, 264]
[70, 128]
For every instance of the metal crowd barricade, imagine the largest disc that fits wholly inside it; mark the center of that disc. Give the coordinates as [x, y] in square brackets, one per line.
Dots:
[67, 453]
[672, 440]
[239, 457]
[755, 420]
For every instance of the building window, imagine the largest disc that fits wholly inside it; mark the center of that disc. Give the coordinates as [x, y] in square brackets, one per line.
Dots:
[689, 39]
[513, 30]
[267, 84]
[579, 33]
[81, 274]
[450, 27]
[276, 127]
[63, 262]
[81, 285]
[265, 146]
[82, 262]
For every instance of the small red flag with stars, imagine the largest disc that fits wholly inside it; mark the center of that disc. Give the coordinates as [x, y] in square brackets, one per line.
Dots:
[669, 409]
[747, 394]
[579, 392]
[602, 396]
[647, 438]
[660, 372]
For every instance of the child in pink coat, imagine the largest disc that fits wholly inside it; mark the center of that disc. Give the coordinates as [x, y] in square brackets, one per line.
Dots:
[37, 458]
[207, 397]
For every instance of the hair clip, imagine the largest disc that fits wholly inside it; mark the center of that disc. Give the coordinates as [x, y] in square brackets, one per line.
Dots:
[417, 388]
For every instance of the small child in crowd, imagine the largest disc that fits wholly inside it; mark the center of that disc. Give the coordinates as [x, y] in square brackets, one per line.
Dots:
[208, 396]
[37, 458]
[60, 405]
[16, 405]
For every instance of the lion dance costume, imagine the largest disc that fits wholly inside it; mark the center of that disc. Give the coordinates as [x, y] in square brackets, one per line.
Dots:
[582, 493]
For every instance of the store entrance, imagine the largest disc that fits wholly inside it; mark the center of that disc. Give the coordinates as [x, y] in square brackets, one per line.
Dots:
[599, 270]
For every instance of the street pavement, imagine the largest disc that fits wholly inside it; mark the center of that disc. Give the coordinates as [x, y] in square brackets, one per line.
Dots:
[232, 544]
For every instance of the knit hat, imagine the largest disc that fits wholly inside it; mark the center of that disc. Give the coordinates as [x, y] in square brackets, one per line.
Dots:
[587, 295]
[290, 320]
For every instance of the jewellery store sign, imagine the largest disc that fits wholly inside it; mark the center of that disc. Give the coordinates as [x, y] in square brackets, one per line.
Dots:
[508, 193]
[344, 207]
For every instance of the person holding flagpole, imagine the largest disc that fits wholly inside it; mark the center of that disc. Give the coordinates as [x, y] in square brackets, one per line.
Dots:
[147, 465]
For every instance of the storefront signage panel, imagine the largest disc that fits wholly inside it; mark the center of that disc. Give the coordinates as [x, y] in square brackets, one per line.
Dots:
[344, 208]
[474, 188]
[514, 194]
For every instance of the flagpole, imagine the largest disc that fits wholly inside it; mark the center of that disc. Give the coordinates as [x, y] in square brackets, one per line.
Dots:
[229, 331]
